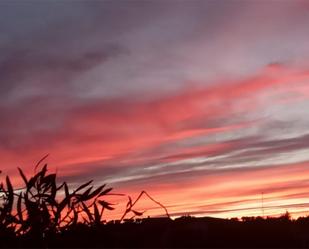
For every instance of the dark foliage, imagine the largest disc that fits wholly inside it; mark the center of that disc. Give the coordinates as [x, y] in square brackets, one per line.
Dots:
[42, 210]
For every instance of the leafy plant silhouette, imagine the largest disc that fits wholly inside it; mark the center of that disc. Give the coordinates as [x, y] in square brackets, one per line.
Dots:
[41, 207]
[7, 219]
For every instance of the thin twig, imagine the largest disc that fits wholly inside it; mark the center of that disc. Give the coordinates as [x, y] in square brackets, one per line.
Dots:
[137, 199]
[39, 162]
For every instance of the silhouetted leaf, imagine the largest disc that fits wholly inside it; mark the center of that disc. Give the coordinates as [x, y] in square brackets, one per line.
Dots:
[39, 162]
[106, 205]
[45, 214]
[60, 186]
[32, 208]
[86, 209]
[49, 179]
[137, 213]
[67, 194]
[85, 195]
[75, 219]
[97, 216]
[43, 171]
[53, 189]
[32, 181]
[23, 176]
[83, 186]
[129, 204]
[63, 203]
[106, 191]
[10, 194]
[96, 192]
[66, 189]
[19, 211]
[41, 196]
[52, 201]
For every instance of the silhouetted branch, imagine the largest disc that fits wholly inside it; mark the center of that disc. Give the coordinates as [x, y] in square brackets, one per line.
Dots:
[131, 204]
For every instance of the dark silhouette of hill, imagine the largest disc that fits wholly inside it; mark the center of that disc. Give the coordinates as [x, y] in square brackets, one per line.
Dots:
[45, 214]
[185, 232]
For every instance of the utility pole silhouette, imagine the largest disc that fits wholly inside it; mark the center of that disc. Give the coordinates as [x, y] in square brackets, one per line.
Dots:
[263, 204]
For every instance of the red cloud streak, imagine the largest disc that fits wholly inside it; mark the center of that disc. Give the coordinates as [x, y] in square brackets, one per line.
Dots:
[159, 131]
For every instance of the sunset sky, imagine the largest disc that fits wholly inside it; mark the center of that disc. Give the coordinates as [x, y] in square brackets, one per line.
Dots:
[204, 104]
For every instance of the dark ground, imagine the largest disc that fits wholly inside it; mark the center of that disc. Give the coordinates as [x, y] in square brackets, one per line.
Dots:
[185, 232]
